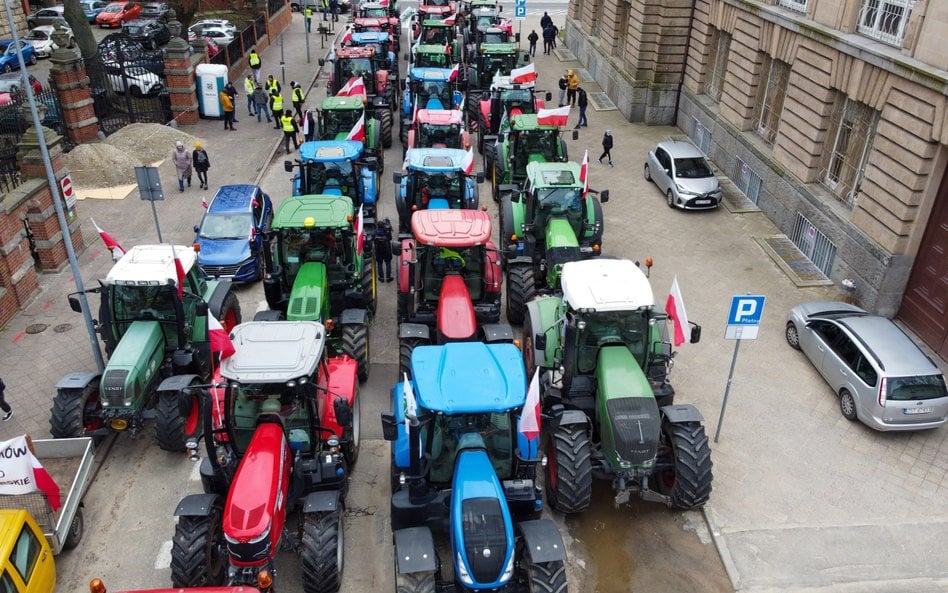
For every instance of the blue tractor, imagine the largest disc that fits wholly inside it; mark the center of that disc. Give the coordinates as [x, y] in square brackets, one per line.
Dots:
[435, 178]
[428, 88]
[461, 466]
[338, 168]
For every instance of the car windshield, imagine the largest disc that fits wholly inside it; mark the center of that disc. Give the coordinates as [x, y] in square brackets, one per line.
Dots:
[232, 225]
[628, 328]
[560, 200]
[374, 13]
[134, 29]
[37, 35]
[913, 388]
[692, 168]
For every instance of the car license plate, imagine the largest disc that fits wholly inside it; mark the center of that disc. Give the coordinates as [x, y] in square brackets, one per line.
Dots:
[911, 411]
[702, 202]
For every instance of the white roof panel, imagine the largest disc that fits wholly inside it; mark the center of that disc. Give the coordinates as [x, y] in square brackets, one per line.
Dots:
[606, 285]
[274, 351]
[150, 264]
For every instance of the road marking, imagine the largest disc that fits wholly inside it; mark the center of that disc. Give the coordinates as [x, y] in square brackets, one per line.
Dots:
[164, 556]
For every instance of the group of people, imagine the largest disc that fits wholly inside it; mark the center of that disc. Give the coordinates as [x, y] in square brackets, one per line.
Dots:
[185, 161]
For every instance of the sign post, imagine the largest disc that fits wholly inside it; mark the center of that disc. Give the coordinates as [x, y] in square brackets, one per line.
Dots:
[149, 188]
[743, 321]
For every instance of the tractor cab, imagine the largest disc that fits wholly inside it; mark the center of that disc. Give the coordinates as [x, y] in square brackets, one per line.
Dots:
[436, 178]
[338, 116]
[492, 59]
[431, 88]
[438, 128]
[483, 19]
[387, 25]
[335, 168]
[383, 45]
[431, 56]
[354, 62]
[506, 99]
[373, 10]
[437, 32]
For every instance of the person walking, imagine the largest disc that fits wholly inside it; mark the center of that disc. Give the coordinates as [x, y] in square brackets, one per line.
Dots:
[253, 60]
[532, 38]
[276, 106]
[231, 90]
[563, 84]
[582, 101]
[556, 33]
[325, 6]
[308, 17]
[290, 129]
[273, 85]
[262, 102]
[249, 86]
[182, 164]
[548, 39]
[546, 20]
[227, 104]
[297, 97]
[334, 10]
[201, 163]
[7, 410]
[382, 243]
[606, 147]
[572, 84]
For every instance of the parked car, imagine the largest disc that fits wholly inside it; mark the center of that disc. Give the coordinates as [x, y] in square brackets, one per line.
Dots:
[46, 16]
[220, 23]
[41, 38]
[155, 10]
[150, 33]
[137, 79]
[9, 61]
[92, 8]
[14, 120]
[117, 14]
[880, 375]
[684, 175]
[229, 240]
[11, 82]
[220, 35]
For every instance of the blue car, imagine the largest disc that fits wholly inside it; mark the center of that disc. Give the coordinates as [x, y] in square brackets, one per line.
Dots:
[92, 8]
[229, 241]
[9, 61]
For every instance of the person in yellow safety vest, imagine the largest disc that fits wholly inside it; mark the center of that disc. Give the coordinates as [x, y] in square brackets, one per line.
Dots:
[297, 97]
[249, 86]
[253, 59]
[325, 5]
[272, 84]
[289, 130]
[308, 17]
[276, 106]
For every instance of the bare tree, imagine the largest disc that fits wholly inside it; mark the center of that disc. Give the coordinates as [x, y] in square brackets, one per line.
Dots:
[81, 29]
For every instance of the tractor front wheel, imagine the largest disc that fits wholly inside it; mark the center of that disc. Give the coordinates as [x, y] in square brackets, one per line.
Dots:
[385, 119]
[547, 577]
[76, 412]
[352, 432]
[229, 314]
[197, 551]
[355, 343]
[685, 465]
[175, 421]
[521, 288]
[321, 553]
[405, 348]
[569, 469]
[369, 285]
[416, 582]
[403, 133]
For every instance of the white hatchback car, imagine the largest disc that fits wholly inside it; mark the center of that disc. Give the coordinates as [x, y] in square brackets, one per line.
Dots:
[680, 170]
[41, 38]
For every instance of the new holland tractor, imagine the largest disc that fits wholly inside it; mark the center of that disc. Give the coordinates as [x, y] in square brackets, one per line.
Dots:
[427, 88]
[316, 271]
[280, 444]
[449, 281]
[461, 467]
[380, 84]
[490, 61]
[544, 225]
[609, 410]
[335, 167]
[524, 141]
[438, 128]
[153, 320]
[436, 179]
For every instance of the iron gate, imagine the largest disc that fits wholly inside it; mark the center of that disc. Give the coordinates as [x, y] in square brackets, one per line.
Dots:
[16, 119]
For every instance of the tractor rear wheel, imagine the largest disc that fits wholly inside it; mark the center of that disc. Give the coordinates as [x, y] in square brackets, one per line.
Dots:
[416, 582]
[685, 465]
[490, 155]
[229, 314]
[321, 552]
[175, 425]
[546, 577]
[405, 348]
[521, 288]
[506, 223]
[197, 551]
[355, 343]
[353, 431]
[569, 469]
[368, 284]
[76, 412]
[385, 119]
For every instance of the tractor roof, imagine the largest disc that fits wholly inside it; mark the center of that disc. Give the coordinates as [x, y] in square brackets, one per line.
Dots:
[498, 48]
[370, 37]
[528, 121]
[554, 174]
[431, 74]
[469, 377]
[373, 5]
[330, 151]
[342, 103]
[439, 117]
[435, 159]
[429, 49]
[355, 51]
[482, 3]
[274, 351]
[503, 82]
[371, 21]
[432, 9]
[325, 211]
[151, 264]
[606, 285]
[481, 10]
[451, 228]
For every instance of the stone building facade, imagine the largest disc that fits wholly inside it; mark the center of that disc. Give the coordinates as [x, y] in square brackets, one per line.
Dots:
[830, 115]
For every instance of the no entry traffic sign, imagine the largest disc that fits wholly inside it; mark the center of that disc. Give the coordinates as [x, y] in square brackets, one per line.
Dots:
[69, 195]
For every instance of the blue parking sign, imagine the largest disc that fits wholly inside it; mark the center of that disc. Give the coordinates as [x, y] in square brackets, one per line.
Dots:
[743, 320]
[520, 11]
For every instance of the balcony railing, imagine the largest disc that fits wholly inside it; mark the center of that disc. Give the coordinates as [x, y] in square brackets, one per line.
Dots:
[795, 5]
[885, 20]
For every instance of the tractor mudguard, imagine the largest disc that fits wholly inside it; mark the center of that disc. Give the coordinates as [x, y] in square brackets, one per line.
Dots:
[196, 505]
[177, 382]
[323, 501]
[542, 540]
[78, 380]
[498, 332]
[493, 276]
[414, 330]
[216, 301]
[371, 192]
[268, 315]
[680, 413]
[354, 317]
[414, 550]
[403, 269]
[573, 418]
[522, 259]
[542, 313]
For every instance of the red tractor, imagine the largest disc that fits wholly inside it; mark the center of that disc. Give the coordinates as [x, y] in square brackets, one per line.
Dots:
[438, 128]
[362, 61]
[281, 436]
[449, 281]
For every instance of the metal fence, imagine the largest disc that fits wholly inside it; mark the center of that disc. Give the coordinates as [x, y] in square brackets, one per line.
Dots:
[15, 120]
[127, 89]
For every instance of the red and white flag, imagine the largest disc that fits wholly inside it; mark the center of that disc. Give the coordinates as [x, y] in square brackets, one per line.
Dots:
[360, 231]
[675, 308]
[454, 73]
[219, 338]
[346, 38]
[354, 87]
[468, 163]
[449, 20]
[553, 117]
[526, 73]
[23, 473]
[179, 272]
[529, 425]
[358, 130]
[584, 173]
[112, 245]
[204, 202]
[411, 407]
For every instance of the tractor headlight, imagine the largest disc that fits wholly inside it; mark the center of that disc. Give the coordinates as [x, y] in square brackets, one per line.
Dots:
[463, 574]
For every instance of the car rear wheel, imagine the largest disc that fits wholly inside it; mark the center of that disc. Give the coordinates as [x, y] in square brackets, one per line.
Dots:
[847, 405]
[7, 68]
[32, 61]
[648, 174]
[792, 335]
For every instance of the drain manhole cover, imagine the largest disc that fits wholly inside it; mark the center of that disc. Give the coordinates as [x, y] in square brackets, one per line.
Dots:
[584, 75]
[601, 102]
[36, 328]
[62, 328]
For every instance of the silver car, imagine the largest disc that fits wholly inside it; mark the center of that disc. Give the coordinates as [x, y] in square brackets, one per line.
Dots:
[680, 170]
[880, 376]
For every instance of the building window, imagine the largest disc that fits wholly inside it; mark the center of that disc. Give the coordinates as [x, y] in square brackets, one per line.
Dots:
[748, 181]
[852, 130]
[885, 20]
[797, 5]
[721, 46]
[770, 98]
[622, 29]
[702, 136]
[814, 244]
[596, 17]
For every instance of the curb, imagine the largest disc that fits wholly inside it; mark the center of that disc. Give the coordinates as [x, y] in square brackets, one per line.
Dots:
[721, 546]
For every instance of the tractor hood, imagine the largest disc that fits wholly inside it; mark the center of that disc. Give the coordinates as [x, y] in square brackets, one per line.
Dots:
[469, 377]
[456, 320]
[629, 420]
[133, 364]
[559, 233]
[223, 252]
[309, 295]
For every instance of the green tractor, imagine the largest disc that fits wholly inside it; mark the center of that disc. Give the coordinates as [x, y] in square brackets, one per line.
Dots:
[317, 271]
[544, 224]
[608, 408]
[438, 45]
[524, 141]
[492, 59]
[154, 319]
[339, 116]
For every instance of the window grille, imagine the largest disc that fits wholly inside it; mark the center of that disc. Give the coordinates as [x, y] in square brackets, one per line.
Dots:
[748, 181]
[885, 20]
[814, 244]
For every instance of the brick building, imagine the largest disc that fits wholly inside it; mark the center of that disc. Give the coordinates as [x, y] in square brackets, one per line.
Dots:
[830, 115]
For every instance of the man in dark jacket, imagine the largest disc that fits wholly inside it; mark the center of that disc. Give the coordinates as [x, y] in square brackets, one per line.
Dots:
[583, 102]
[564, 84]
[548, 39]
[533, 38]
[606, 147]
[546, 20]
[382, 244]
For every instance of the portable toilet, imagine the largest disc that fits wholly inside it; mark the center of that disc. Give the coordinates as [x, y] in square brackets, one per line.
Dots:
[211, 80]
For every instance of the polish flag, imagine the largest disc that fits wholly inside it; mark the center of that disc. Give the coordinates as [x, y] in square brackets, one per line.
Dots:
[113, 246]
[179, 272]
[450, 19]
[529, 425]
[454, 73]
[45, 482]
[220, 341]
[23, 473]
[346, 39]
[204, 202]
[675, 308]
[553, 117]
[411, 407]
[360, 232]
[584, 173]
[527, 73]
[468, 163]
[358, 130]
[354, 87]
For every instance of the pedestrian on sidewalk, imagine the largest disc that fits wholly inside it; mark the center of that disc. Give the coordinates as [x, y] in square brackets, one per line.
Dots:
[297, 97]
[182, 163]
[547, 39]
[583, 101]
[334, 10]
[546, 20]
[7, 410]
[382, 243]
[563, 84]
[533, 38]
[273, 85]
[253, 60]
[290, 129]
[276, 106]
[227, 104]
[262, 101]
[308, 17]
[201, 163]
[231, 91]
[325, 6]
[606, 147]
[556, 33]
[249, 86]
[572, 84]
